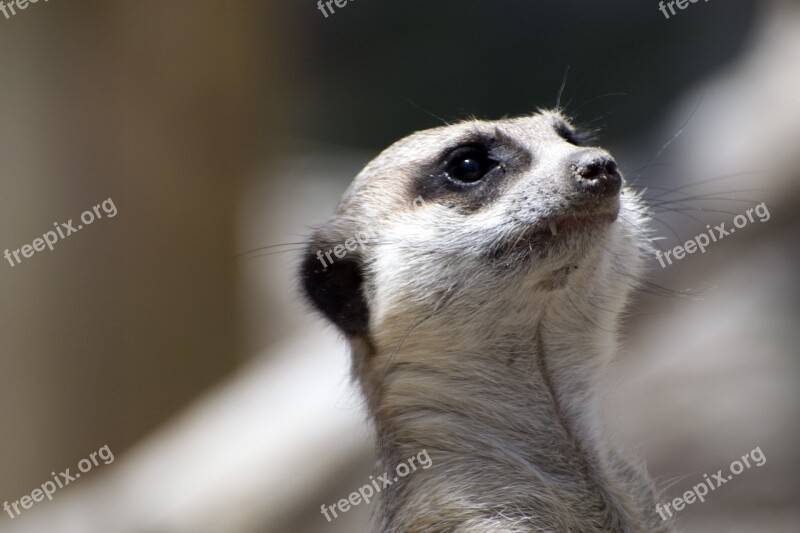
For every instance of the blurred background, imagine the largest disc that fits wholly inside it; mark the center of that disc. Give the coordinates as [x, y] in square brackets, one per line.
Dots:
[172, 335]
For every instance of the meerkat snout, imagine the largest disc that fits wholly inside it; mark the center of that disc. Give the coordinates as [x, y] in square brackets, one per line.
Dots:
[596, 173]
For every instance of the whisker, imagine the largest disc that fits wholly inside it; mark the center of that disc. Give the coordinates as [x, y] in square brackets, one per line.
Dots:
[563, 85]
[712, 180]
[606, 95]
[674, 137]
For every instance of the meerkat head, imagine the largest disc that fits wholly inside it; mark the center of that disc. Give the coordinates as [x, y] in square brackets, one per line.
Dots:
[496, 216]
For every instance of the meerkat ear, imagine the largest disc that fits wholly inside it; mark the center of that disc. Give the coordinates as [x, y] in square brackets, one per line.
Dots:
[335, 287]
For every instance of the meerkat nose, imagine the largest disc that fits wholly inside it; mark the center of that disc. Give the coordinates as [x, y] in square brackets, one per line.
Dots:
[596, 173]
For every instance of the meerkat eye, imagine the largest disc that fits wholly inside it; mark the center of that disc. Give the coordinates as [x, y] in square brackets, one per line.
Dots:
[572, 135]
[469, 164]
[566, 132]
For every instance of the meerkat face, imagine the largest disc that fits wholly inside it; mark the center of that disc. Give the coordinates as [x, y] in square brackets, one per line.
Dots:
[494, 209]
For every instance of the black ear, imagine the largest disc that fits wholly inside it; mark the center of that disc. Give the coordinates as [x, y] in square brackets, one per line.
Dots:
[336, 290]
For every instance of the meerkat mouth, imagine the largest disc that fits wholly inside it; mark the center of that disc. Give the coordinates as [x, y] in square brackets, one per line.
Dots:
[558, 232]
[563, 228]
[560, 225]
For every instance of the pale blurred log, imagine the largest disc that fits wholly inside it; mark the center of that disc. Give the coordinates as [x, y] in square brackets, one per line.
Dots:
[251, 455]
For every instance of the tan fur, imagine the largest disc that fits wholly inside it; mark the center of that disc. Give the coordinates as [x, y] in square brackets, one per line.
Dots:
[488, 361]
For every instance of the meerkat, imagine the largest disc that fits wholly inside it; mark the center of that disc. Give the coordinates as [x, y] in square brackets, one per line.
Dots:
[479, 319]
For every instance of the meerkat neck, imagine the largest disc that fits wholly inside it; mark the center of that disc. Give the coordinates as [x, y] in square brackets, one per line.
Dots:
[518, 382]
[511, 420]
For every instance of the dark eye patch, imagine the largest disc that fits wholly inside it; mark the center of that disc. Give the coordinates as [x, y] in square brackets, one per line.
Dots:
[472, 172]
[573, 135]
